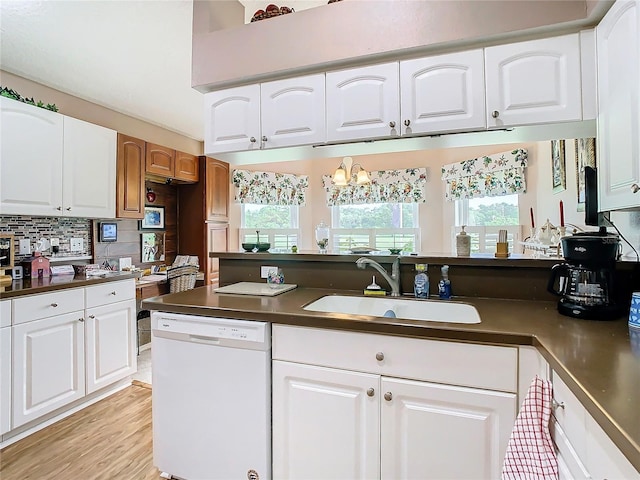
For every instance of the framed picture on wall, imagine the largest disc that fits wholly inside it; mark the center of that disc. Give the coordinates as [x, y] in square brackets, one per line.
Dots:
[153, 218]
[7, 251]
[558, 170]
[585, 157]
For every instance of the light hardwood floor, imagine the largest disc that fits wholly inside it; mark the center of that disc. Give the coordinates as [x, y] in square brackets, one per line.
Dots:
[108, 440]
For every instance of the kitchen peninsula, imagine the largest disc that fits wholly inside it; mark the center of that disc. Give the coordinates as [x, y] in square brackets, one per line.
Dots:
[595, 360]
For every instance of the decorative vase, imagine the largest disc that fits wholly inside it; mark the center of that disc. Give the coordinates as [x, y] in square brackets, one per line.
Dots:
[322, 237]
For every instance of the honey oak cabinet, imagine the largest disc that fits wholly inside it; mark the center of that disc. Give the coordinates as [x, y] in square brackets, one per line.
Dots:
[130, 192]
[186, 167]
[165, 164]
[203, 216]
[618, 48]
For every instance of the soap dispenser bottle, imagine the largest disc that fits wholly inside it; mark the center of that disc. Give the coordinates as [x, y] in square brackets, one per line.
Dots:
[463, 243]
[444, 285]
[421, 282]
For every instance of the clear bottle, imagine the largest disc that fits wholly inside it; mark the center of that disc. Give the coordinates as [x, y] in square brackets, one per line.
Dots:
[322, 236]
[444, 285]
[421, 282]
[463, 243]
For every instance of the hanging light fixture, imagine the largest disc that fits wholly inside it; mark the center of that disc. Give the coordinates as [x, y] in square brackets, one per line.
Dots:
[344, 173]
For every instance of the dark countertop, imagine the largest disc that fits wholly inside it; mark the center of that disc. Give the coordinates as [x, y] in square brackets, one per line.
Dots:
[595, 359]
[30, 286]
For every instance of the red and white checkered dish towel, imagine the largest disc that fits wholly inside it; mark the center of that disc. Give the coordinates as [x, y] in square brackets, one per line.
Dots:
[530, 452]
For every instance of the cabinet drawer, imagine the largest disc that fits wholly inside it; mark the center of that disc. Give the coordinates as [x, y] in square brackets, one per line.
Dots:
[5, 313]
[570, 465]
[110, 292]
[34, 307]
[465, 364]
[569, 414]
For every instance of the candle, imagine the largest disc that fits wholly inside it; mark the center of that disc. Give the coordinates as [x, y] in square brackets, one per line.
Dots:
[533, 224]
[561, 214]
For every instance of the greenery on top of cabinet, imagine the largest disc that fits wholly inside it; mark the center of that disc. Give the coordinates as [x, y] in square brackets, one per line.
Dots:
[10, 93]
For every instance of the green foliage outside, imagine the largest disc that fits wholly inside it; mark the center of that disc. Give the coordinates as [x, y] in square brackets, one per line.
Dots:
[380, 215]
[494, 215]
[267, 216]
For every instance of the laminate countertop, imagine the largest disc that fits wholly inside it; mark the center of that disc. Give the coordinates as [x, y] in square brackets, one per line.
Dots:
[596, 359]
[31, 286]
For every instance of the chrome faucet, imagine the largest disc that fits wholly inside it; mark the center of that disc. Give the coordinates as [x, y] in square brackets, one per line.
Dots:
[393, 280]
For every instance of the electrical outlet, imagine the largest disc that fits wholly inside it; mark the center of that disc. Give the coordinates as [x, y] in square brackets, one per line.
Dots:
[77, 245]
[55, 242]
[264, 271]
[25, 246]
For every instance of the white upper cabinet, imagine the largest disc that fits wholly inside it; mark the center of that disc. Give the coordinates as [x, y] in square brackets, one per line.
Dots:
[89, 172]
[444, 93]
[363, 103]
[293, 112]
[617, 42]
[31, 162]
[532, 82]
[54, 165]
[232, 120]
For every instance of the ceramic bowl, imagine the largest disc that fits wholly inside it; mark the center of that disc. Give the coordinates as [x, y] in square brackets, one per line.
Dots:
[263, 246]
[395, 251]
[248, 247]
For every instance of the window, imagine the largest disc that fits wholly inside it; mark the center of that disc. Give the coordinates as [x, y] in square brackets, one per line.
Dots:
[378, 225]
[277, 224]
[484, 217]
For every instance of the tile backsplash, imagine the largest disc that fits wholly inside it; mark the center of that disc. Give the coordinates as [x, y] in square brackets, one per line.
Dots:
[36, 228]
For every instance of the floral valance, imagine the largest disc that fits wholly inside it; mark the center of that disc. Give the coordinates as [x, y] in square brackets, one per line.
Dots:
[387, 186]
[270, 188]
[493, 176]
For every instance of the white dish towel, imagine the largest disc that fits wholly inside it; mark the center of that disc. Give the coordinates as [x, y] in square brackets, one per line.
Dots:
[530, 452]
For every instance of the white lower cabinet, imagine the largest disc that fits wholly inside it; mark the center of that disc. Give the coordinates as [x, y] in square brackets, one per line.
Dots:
[110, 344]
[334, 417]
[48, 365]
[5, 379]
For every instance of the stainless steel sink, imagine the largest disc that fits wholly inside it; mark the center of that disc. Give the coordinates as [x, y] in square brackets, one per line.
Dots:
[426, 310]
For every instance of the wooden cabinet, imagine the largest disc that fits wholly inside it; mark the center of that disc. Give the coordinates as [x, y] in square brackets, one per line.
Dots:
[186, 167]
[130, 194]
[71, 164]
[363, 103]
[618, 48]
[533, 82]
[373, 402]
[275, 114]
[163, 164]
[442, 93]
[203, 216]
[48, 365]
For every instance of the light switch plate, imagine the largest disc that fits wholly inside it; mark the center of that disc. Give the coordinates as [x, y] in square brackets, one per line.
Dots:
[55, 242]
[264, 271]
[25, 246]
[77, 244]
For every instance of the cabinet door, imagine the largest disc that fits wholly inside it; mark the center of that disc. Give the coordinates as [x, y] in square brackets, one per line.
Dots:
[617, 38]
[48, 365]
[293, 111]
[533, 82]
[232, 120]
[5, 380]
[217, 190]
[159, 160]
[31, 167]
[325, 423]
[439, 431]
[89, 169]
[604, 459]
[363, 103]
[186, 167]
[217, 241]
[444, 93]
[130, 174]
[110, 339]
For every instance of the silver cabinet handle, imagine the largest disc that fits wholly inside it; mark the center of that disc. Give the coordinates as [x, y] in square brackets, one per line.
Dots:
[68, 209]
[495, 114]
[58, 208]
[392, 124]
[114, 293]
[379, 356]
[556, 405]
[635, 188]
[264, 138]
[252, 139]
[388, 396]
[81, 319]
[407, 123]
[370, 392]
[54, 305]
[92, 317]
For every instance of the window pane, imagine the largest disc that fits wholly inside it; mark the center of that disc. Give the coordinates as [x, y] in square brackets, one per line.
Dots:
[493, 211]
[377, 215]
[268, 216]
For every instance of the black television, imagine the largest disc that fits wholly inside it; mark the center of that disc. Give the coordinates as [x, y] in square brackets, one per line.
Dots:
[108, 232]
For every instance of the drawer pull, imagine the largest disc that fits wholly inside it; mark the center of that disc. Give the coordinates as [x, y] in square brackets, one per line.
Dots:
[81, 319]
[54, 305]
[556, 405]
[379, 356]
[114, 293]
[388, 396]
[370, 392]
[92, 317]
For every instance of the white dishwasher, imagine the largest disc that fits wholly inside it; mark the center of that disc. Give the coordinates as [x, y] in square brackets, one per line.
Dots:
[211, 394]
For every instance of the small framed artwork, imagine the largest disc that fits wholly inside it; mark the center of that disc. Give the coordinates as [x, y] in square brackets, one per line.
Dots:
[152, 248]
[153, 218]
[585, 157]
[558, 170]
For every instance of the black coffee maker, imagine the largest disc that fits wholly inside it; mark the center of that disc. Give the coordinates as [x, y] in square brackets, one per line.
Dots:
[585, 282]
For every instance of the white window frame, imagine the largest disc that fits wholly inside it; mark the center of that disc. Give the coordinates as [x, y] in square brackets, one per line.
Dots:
[279, 238]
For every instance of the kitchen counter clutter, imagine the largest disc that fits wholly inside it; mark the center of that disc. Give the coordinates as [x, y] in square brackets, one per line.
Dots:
[595, 360]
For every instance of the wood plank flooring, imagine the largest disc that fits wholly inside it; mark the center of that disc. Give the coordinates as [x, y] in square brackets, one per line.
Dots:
[110, 439]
